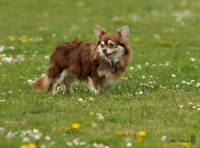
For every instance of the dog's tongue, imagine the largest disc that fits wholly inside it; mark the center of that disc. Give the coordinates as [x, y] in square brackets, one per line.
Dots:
[112, 70]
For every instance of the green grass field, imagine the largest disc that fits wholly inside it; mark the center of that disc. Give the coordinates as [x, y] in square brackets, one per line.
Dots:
[157, 99]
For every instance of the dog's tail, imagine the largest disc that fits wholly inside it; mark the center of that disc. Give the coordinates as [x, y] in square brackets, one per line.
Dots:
[43, 84]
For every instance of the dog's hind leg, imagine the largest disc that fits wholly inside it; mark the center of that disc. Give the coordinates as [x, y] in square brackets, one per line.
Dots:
[93, 83]
[68, 83]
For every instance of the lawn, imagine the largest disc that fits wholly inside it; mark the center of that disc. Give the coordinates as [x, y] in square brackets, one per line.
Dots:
[156, 100]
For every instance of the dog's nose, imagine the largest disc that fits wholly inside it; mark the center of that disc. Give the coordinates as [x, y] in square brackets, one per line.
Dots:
[104, 50]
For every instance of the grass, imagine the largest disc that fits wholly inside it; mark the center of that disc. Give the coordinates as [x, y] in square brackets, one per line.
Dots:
[164, 36]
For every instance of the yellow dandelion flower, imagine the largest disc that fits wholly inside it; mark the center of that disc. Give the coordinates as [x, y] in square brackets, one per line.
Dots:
[139, 138]
[142, 133]
[186, 144]
[75, 125]
[12, 39]
[54, 129]
[122, 77]
[136, 39]
[67, 128]
[19, 90]
[79, 35]
[23, 146]
[119, 133]
[32, 145]
[0, 55]
[129, 132]
[91, 113]
[24, 40]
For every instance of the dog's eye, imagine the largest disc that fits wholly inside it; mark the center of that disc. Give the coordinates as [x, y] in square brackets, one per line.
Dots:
[102, 45]
[112, 45]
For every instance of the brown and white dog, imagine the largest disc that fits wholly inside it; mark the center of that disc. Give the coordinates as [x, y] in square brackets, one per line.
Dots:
[96, 64]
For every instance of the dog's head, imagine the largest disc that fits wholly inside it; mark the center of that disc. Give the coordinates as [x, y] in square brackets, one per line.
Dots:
[112, 46]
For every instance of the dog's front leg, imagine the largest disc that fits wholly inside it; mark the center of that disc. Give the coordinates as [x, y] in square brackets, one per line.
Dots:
[94, 82]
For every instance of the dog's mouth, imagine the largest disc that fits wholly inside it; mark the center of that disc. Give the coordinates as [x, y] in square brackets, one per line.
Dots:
[107, 55]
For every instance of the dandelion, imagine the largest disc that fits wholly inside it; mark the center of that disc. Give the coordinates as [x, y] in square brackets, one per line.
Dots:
[142, 133]
[186, 144]
[32, 145]
[54, 129]
[24, 40]
[136, 39]
[75, 125]
[23, 146]
[91, 113]
[67, 128]
[139, 138]
[129, 132]
[12, 39]
[19, 90]
[119, 133]
[79, 35]
[173, 75]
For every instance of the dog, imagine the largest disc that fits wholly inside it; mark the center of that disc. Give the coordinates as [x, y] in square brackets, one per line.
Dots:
[97, 64]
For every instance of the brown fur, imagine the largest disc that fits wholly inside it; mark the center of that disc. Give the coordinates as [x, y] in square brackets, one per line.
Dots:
[82, 60]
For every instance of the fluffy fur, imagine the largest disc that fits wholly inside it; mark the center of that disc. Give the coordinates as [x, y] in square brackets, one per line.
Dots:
[96, 64]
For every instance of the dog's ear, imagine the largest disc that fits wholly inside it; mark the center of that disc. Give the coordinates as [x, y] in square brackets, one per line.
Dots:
[123, 32]
[99, 31]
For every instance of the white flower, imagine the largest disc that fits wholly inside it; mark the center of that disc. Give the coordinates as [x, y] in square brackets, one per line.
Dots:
[52, 143]
[146, 63]
[192, 81]
[91, 98]
[177, 86]
[53, 35]
[131, 68]
[188, 83]
[100, 118]
[194, 106]
[129, 144]
[192, 59]
[2, 129]
[82, 143]
[43, 146]
[143, 77]
[198, 84]
[75, 141]
[137, 93]
[48, 138]
[35, 131]
[46, 57]
[181, 106]
[163, 138]
[25, 139]
[184, 82]
[151, 76]
[94, 125]
[190, 103]
[198, 108]
[37, 137]
[173, 75]
[80, 100]
[69, 143]
[140, 92]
